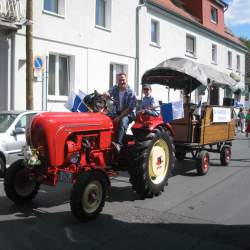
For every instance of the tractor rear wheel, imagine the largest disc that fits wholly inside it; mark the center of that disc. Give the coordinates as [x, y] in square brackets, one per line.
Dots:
[88, 195]
[152, 161]
[19, 185]
[225, 155]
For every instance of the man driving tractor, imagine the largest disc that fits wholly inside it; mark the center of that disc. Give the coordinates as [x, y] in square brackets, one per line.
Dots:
[125, 104]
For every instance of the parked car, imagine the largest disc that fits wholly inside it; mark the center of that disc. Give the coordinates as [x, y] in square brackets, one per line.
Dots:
[12, 136]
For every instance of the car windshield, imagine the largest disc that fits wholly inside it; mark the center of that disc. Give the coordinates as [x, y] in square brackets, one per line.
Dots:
[5, 121]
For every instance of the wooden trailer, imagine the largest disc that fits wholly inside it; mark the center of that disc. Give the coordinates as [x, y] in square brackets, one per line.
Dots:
[212, 129]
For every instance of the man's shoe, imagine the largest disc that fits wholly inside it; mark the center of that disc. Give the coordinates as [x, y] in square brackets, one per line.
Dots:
[116, 147]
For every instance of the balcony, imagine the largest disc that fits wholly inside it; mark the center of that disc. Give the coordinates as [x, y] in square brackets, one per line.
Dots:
[11, 15]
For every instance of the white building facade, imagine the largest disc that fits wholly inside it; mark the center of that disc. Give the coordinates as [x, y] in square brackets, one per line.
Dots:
[85, 44]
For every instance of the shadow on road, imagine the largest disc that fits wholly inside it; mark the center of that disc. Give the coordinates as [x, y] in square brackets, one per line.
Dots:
[48, 197]
[61, 231]
[184, 168]
[121, 194]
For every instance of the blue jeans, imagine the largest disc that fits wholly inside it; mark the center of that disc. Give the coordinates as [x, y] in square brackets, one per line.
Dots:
[122, 129]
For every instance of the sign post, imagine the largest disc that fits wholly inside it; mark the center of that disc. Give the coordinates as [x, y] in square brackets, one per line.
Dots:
[39, 66]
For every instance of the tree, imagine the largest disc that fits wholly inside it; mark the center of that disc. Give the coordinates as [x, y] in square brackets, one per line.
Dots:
[246, 41]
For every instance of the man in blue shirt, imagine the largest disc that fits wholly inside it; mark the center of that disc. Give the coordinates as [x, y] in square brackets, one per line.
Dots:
[149, 104]
[125, 103]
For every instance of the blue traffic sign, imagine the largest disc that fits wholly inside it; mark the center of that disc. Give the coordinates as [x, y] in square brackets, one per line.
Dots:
[38, 63]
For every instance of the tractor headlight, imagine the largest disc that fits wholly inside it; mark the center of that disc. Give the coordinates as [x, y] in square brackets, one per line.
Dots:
[31, 156]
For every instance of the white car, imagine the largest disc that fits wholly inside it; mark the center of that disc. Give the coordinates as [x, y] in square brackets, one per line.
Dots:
[12, 136]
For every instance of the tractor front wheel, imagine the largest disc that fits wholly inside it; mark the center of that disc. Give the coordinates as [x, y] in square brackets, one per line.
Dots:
[19, 185]
[152, 161]
[88, 195]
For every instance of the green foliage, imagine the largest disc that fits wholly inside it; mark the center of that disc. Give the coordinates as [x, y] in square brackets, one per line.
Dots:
[247, 42]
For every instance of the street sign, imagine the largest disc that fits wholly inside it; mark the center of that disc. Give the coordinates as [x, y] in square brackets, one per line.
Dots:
[38, 63]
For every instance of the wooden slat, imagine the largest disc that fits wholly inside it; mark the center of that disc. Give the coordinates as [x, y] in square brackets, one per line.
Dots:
[215, 132]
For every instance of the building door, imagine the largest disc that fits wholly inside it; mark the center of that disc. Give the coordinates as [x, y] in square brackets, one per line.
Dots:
[4, 46]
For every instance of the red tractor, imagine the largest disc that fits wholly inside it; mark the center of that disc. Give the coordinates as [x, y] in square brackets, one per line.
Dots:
[76, 148]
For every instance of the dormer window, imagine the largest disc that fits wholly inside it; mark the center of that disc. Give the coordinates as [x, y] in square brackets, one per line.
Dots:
[214, 15]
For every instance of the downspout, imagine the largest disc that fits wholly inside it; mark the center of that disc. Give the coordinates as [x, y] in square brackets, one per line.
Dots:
[137, 44]
[12, 72]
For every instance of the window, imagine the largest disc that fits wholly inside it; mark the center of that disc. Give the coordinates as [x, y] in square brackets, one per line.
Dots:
[155, 32]
[103, 13]
[54, 6]
[51, 5]
[238, 63]
[114, 71]
[214, 53]
[191, 45]
[24, 121]
[58, 75]
[229, 59]
[214, 15]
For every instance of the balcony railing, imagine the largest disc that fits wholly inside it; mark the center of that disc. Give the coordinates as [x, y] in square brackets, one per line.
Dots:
[12, 11]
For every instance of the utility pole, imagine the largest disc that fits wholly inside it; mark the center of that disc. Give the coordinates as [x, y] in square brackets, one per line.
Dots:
[29, 55]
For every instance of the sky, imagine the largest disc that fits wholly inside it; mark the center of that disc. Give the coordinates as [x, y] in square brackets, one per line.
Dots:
[237, 17]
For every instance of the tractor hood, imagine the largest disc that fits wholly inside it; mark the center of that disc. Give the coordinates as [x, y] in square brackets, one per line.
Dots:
[49, 131]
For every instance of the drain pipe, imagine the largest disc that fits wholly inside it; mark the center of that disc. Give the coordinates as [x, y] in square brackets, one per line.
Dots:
[12, 71]
[142, 3]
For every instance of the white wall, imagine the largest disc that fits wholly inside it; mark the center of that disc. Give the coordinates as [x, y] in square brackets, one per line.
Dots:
[77, 26]
[91, 49]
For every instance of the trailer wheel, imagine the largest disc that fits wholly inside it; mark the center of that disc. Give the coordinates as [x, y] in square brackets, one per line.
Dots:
[202, 163]
[225, 155]
[180, 154]
[151, 163]
[88, 195]
[19, 185]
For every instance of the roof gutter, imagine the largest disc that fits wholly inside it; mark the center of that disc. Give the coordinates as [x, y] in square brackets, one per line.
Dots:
[137, 45]
[223, 4]
[180, 17]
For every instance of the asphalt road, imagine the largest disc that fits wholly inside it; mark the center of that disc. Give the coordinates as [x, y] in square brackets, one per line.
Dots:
[209, 212]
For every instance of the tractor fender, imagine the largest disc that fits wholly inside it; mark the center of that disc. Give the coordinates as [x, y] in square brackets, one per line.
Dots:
[170, 128]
